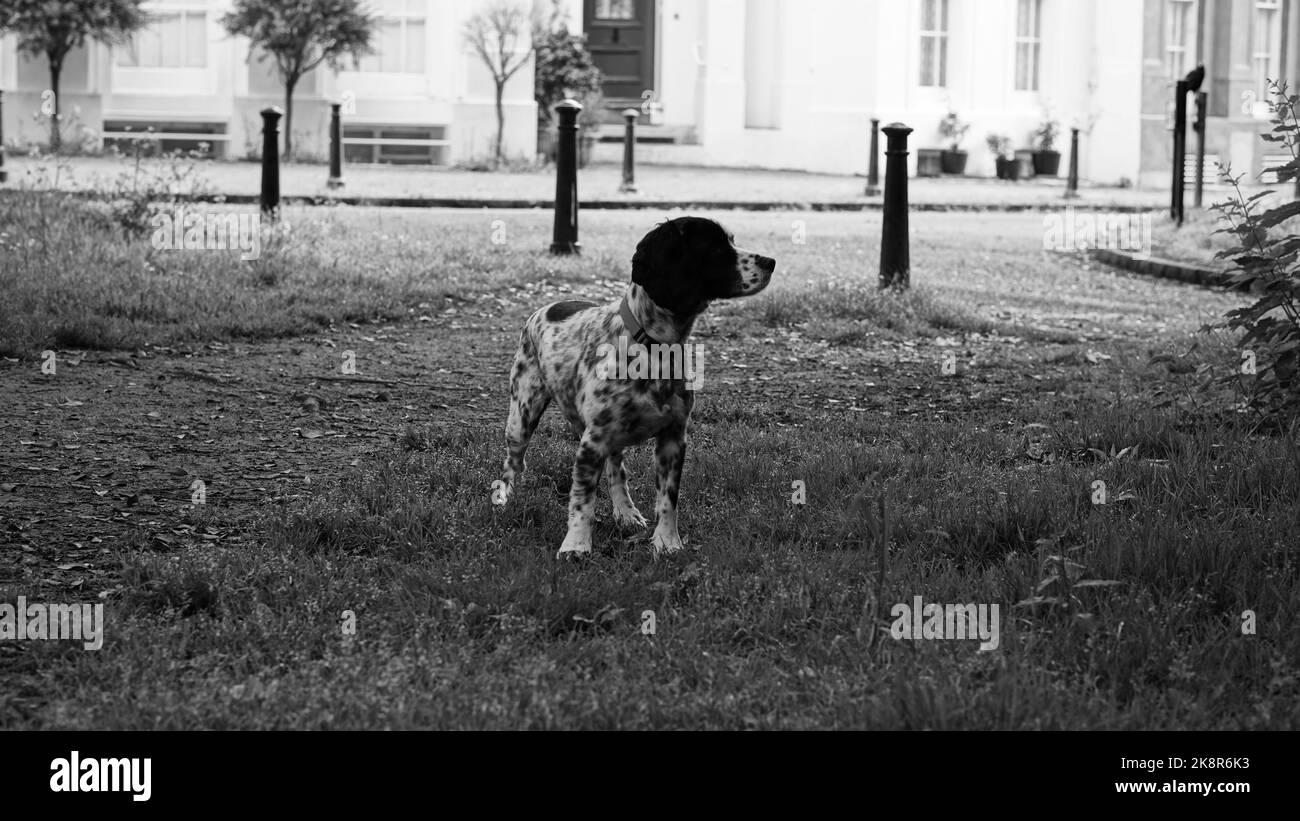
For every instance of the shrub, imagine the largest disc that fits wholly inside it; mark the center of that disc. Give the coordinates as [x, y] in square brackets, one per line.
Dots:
[1266, 261]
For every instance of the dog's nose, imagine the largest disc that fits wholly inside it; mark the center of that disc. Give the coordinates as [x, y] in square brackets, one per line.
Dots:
[767, 264]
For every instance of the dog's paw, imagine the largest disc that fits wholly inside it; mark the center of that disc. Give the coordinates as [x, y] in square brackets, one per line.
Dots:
[664, 543]
[574, 545]
[500, 493]
[629, 518]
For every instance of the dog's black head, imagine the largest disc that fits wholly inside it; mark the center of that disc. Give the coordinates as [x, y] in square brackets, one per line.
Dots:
[685, 263]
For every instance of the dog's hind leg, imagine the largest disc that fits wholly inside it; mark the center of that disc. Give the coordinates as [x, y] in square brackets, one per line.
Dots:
[528, 399]
[625, 513]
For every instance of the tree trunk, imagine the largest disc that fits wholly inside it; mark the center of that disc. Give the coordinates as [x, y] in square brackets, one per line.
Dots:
[289, 86]
[501, 123]
[56, 68]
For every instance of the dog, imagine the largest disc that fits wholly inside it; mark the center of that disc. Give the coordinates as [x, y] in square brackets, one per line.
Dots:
[564, 355]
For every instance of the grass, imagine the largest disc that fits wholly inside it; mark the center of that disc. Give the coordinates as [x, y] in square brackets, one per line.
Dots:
[464, 618]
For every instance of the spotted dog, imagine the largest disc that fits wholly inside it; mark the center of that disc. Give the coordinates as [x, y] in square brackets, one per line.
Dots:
[677, 270]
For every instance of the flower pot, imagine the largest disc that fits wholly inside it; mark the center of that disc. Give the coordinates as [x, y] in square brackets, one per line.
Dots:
[1047, 163]
[929, 162]
[1025, 163]
[953, 162]
[1008, 168]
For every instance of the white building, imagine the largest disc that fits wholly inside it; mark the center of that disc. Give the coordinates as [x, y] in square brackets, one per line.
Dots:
[423, 97]
[769, 83]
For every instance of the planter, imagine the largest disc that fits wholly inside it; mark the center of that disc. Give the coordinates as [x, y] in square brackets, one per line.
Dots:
[929, 162]
[1047, 163]
[546, 142]
[1008, 169]
[953, 162]
[1025, 161]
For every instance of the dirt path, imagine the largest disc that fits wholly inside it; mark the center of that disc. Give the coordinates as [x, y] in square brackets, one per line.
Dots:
[105, 453]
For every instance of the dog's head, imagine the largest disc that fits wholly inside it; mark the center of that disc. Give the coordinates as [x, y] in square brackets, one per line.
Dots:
[685, 263]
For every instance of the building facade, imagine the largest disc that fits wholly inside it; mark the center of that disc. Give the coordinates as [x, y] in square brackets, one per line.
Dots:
[423, 97]
[764, 83]
[794, 84]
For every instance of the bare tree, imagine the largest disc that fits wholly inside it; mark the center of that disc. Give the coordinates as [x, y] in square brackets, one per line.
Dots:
[494, 33]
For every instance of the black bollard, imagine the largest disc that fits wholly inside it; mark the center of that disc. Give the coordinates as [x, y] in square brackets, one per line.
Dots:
[564, 240]
[336, 148]
[629, 148]
[4, 175]
[1180, 151]
[271, 161]
[1072, 183]
[895, 262]
[1199, 128]
[873, 165]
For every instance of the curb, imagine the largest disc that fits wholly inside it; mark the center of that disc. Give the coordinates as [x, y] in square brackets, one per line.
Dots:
[1164, 268]
[663, 205]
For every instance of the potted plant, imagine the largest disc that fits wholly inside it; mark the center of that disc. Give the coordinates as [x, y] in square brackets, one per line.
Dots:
[564, 69]
[1000, 145]
[953, 131]
[1047, 161]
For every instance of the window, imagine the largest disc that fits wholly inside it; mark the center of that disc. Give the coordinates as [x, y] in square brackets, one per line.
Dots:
[399, 38]
[177, 37]
[1029, 41]
[1266, 45]
[1180, 37]
[934, 43]
[615, 9]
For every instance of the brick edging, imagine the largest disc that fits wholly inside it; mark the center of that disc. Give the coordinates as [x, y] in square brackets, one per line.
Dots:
[1165, 268]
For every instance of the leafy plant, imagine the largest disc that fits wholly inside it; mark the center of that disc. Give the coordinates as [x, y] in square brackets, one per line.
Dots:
[1046, 133]
[1000, 145]
[1266, 261]
[953, 130]
[300, 36]
[564, 69]
[54, 30]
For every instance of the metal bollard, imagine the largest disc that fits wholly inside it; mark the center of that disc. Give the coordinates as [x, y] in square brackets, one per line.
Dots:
[629, 148]
[895, 262]
[1072, 183]
[564, 239]
[336, 147]
[271, 162]
[1199, 127]
[1180, 152]
[873, 166]
[4, 175]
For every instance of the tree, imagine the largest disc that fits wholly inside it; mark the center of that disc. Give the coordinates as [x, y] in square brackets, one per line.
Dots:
[54, 28]
[494, 33]
[300, 35]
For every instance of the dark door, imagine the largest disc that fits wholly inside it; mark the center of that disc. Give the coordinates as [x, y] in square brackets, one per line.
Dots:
[621, 37]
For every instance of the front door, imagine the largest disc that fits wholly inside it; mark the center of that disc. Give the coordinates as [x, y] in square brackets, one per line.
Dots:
[621, 38]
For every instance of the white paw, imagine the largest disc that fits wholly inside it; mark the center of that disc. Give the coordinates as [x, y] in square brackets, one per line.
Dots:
[669, 542]
[575, 544]
[500, 493]
[629, 518]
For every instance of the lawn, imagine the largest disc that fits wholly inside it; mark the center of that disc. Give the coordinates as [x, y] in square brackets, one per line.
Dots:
[977, 411]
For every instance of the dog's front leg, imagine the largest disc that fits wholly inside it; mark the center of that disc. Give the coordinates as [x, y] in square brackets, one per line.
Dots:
[587, 466]
[670, 454]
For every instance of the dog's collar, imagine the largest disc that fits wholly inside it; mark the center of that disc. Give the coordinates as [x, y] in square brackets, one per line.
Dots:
[634, 329]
